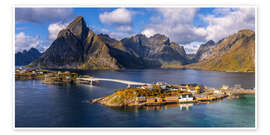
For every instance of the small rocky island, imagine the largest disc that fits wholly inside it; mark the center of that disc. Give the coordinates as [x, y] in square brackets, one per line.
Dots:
[163, 93]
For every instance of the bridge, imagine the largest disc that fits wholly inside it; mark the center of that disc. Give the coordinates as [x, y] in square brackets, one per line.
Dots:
[129, 83]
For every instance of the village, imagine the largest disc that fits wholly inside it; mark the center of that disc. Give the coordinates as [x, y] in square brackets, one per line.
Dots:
[189, 93]
[47, 76]
[162, 93]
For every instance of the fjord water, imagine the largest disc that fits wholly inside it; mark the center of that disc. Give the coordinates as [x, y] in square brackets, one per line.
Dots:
[42, 105]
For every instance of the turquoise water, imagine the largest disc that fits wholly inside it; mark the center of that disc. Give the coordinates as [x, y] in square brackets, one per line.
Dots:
[41, 105]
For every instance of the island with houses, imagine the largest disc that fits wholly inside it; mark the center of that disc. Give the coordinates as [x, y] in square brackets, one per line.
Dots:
[139, 94]
[162, 93]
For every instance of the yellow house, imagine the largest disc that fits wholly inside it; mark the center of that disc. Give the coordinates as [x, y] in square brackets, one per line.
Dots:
[197, 87]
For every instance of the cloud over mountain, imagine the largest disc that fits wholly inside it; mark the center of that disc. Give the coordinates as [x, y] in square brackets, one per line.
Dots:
[228, 21]
[25, 42]
[120, 18]
[54, 29]
[177, 23]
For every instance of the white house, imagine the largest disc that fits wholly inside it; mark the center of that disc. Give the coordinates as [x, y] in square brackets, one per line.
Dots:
[186, 98]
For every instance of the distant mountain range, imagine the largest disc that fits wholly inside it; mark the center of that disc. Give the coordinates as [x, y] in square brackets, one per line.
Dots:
[26, 57]
[78, 47]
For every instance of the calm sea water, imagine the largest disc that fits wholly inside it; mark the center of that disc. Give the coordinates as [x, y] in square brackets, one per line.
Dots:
[41, 105]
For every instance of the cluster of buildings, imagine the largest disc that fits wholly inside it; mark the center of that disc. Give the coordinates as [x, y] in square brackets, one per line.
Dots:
[183, 93]
[48, 76]
[188, 93]
[60, 77]
[28, 74]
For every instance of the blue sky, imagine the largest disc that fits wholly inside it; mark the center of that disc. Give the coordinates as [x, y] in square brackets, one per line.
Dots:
[38, 27]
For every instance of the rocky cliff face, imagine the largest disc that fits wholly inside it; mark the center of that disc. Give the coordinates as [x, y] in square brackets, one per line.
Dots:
[157, 50]
[26, 57]
[235, 53]
[78, 47]
[204, 51]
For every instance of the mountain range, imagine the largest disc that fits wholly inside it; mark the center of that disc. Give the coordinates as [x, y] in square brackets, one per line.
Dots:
[78, 47]
[26, 57]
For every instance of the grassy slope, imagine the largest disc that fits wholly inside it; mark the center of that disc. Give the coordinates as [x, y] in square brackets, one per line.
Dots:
[239, 58]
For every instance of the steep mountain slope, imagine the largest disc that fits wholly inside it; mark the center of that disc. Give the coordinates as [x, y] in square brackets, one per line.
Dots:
[77, 47]
[235, 53]
[204, 51]
[26, 57]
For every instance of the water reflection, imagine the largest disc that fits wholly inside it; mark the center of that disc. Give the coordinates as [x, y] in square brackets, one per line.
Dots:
[182, 107]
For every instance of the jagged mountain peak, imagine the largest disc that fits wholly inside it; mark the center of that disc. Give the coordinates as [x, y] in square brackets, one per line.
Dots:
[79, 21]
[158, 35]
[210, 42]
[160, 39]
[78, 27]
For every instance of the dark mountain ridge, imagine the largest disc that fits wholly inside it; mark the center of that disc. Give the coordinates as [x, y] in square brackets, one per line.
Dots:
[25, 57]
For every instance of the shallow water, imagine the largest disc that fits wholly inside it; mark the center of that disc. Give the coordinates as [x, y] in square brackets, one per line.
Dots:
[41, 105]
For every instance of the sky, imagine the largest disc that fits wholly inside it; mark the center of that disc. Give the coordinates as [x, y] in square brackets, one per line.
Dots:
[189, 27]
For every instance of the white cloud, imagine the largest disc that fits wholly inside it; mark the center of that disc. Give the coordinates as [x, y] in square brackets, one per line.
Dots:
[120, 18]
[25, 42]
[38, 15]
[230, 21]
[125, 28]
[55, 28]
[176, 23]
